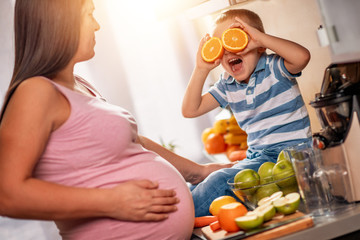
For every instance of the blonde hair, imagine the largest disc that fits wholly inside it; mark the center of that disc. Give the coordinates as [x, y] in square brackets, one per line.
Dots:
[248, 16]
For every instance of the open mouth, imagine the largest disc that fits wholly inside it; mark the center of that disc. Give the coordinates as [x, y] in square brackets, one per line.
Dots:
[235, 64]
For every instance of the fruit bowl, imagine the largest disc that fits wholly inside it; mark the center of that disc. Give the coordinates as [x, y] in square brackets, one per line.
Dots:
[251, 195]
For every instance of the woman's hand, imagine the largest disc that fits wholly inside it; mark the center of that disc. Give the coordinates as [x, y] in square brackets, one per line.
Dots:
[142, 200]
[207, 169]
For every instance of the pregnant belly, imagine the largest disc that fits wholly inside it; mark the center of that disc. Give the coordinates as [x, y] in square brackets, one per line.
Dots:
[179, 225]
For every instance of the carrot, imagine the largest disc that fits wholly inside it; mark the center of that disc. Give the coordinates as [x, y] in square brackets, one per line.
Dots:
[237, 155]
[204, 221]
[214, 226]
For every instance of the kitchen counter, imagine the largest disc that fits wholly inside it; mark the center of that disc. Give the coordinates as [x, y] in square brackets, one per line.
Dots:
[341, 224]
[344, 221]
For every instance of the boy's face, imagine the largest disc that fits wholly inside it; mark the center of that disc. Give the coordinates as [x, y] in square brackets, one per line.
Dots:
[240, 66]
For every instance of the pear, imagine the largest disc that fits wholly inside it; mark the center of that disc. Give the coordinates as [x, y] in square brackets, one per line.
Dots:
[288, 204]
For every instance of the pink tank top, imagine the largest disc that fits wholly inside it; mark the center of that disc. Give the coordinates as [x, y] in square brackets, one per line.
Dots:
[95, 148]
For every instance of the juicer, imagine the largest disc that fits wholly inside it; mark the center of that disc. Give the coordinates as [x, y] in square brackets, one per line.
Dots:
[338, 109]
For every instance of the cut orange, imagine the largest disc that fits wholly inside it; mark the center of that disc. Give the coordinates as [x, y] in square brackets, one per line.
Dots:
[234, 40]
[212, 50]
[227, 215]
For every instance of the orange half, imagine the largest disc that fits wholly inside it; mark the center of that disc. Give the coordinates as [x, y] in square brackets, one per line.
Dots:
[234, 40]
[212, 50]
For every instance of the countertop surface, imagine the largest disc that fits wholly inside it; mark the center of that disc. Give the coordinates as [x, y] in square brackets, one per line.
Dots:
[344, 219]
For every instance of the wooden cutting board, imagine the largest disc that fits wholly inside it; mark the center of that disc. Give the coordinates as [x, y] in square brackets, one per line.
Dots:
[303, 222]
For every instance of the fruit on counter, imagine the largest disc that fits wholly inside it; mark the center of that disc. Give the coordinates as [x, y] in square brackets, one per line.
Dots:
[204, 221]
[205, 134]
[288, 204]
[265, 172]
[232, 135]
[270, 199]
[266, 190]
[247, 178]
[249, 222]
[220, 126]
[231, 138]
[231, 148]
[237, 155]
[234, 40]
[235, 129]
[228, 213]
[282, 156]
[266, 211]
[290, 189]
[232, 120]
[215, 144]
[283, 169]
[215, 226]
[212, 50]
[218, 202]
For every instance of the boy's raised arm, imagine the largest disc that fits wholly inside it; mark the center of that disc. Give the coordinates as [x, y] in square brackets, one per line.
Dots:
[296, 57]
[195, 103]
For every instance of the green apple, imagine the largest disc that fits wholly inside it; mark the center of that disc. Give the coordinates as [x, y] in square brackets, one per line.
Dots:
[282, 156]
[266, 190]
[269, 200]
[290, 189]
[284, 171]
[288, 204]
[267, 211]
[249, 222]
[247, 178]
[265, 172]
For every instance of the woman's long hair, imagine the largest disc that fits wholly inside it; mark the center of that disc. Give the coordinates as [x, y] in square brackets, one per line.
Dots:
[46, 38]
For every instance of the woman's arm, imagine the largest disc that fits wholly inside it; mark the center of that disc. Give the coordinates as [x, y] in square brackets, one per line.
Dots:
[34, 111]
[192, 172]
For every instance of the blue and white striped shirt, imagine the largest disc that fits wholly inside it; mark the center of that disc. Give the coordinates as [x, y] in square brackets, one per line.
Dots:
[269, 108]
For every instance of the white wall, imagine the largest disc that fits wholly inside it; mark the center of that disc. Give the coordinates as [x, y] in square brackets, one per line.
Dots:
[6, 45]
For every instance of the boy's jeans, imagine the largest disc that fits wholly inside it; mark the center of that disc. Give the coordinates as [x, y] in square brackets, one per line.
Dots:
[215, 185]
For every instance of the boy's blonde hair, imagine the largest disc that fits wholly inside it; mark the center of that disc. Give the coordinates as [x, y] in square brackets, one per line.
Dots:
[248, 16]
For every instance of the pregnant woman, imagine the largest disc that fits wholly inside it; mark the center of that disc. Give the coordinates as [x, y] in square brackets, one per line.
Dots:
[69, 156]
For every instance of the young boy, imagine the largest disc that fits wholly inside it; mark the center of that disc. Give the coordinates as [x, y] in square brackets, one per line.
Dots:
[262, 93]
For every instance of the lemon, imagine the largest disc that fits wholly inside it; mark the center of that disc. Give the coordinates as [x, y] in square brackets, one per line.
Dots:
[217, 203]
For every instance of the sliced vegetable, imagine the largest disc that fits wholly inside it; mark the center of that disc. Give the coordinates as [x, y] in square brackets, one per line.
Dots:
[204, 221]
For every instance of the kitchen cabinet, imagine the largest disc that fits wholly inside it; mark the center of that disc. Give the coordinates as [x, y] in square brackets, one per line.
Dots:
[341, 19]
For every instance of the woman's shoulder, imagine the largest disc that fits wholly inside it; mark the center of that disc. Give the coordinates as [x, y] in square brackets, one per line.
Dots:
[36, 85]
[38, 91]
[38, 96]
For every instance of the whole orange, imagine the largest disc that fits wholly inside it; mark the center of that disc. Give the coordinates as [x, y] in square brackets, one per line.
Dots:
[215, 143]
[228, 213]
[218, 202]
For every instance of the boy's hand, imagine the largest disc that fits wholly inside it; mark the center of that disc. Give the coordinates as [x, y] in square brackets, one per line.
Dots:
[200, 63]
[253, 34]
